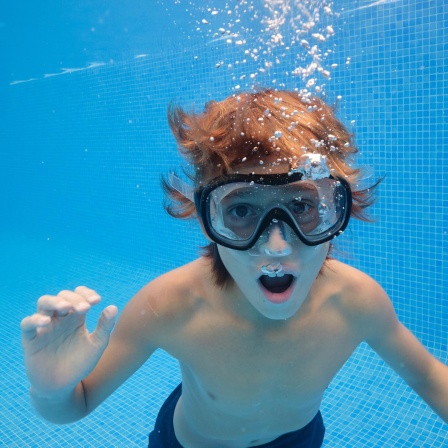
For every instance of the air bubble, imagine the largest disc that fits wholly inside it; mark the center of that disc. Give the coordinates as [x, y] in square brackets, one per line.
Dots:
[278, 134]
[319, 37]
[276, 40]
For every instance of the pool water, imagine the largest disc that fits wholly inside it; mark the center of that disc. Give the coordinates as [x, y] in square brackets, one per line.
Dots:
[83, 150]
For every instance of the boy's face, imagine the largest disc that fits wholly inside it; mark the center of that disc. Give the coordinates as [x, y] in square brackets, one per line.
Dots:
[277, 273]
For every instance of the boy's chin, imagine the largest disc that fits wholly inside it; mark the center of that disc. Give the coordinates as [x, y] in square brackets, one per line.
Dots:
[281, 312]
[278, 306]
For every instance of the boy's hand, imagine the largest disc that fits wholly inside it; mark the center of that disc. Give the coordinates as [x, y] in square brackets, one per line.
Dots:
[59, 352]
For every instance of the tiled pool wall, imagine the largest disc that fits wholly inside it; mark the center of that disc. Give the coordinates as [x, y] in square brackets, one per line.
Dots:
[96, 141]
[82, 157]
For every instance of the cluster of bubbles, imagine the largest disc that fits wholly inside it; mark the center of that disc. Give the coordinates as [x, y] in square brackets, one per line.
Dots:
[270, 38]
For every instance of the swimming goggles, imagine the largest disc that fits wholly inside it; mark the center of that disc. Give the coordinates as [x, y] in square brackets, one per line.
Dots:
[236, 209]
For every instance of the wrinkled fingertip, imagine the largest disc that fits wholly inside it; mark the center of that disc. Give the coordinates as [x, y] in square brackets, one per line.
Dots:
[82, 307]
[111, 311]
[94, 299]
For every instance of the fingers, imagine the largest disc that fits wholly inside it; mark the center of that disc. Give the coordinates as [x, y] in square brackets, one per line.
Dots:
[30, 324]
[78, 301]
[53, 305]
[106, 323]
[67, 302]
[89, 294]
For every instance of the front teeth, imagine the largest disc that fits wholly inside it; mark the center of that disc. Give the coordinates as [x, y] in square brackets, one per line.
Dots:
[273, 270]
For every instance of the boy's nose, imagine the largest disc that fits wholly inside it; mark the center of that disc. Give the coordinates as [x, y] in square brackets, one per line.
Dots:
[276, 244]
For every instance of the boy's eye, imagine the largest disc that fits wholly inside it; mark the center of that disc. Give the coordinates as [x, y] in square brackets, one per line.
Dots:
[241, 211]
[299, 207]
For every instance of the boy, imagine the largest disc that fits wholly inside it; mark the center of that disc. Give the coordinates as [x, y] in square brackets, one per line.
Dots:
[263, 321]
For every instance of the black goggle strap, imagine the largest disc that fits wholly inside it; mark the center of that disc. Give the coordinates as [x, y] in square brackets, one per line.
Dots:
[189, 192]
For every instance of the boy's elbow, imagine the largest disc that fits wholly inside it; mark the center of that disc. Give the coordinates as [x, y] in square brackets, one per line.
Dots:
[57, 419]
[61, 411]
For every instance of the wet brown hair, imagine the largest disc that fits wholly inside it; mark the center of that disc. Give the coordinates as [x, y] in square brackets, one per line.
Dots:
[248, 126]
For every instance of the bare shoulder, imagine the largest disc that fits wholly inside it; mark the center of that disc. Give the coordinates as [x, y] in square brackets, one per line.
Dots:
[167, 301]
[361, 298]
[356, 285]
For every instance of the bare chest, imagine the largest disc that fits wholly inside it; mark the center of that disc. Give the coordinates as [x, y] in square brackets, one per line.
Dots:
[282, 366]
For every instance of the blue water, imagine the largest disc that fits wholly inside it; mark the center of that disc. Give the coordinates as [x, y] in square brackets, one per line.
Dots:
[81, 156]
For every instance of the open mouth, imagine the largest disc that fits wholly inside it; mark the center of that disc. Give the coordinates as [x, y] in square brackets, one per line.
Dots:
[277, 285]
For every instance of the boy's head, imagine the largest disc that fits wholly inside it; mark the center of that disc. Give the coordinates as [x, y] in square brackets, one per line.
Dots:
[263, 133]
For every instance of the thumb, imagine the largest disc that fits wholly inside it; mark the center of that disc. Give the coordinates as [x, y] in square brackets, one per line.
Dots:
[106, 323]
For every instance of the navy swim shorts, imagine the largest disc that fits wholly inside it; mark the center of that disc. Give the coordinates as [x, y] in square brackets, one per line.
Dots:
[310, 436]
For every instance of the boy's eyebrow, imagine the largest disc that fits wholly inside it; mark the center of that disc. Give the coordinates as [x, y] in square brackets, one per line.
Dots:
[308, 187]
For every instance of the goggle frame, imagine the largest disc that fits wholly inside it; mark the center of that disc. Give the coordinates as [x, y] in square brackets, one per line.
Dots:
[202, 193]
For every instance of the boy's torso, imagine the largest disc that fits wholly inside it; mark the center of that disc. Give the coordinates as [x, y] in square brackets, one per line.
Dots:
[246, 383]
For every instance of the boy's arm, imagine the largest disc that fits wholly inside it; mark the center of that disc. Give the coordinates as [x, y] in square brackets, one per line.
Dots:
[132, 342]
[405, 354]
